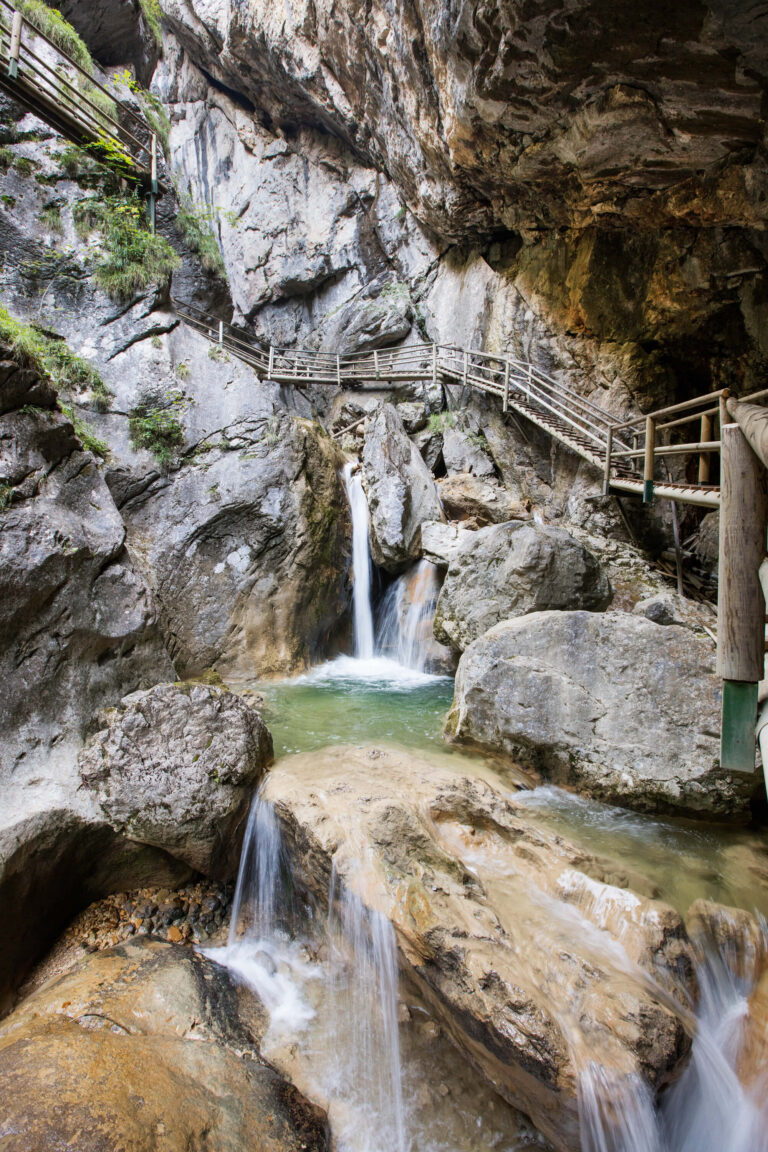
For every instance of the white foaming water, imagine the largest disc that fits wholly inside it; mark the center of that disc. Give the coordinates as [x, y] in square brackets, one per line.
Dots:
[355, 1063]
[406, 616]
[378, 669]
[361, 563]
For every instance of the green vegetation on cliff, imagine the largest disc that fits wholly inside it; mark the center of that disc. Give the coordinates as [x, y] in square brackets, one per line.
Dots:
[130, 257]
[154, 425]
[53, 357]
[51, 22]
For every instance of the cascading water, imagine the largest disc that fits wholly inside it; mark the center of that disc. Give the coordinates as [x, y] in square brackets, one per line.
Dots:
[358, 1069]
[361, 563]
[406, 615]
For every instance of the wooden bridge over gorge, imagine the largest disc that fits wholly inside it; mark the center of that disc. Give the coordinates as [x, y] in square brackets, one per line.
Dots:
[705, 431]
[46, 81]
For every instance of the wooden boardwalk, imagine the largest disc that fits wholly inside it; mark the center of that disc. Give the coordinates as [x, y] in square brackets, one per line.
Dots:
[627, 453]
[45, 81]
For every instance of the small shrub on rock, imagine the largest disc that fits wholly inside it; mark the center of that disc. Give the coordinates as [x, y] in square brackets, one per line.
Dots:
[154, 425]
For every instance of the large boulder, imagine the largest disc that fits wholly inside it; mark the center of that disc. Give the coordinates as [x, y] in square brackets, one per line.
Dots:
[511, 569]
[510, 933]
[623, 709]
[175, 767]
[147, 1046]
[78, 624]
[247, 547]
[479, 499]
[401, 492]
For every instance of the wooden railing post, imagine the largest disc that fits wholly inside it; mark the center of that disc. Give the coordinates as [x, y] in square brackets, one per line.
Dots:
[434, 363]
[13, 55]
[376, 363]
[271, 362]
[705, 436]
[338, 369]
[221, 332]
[607, 469]
[466, 365]
[506, 386]
[650, 448]
[740, 601]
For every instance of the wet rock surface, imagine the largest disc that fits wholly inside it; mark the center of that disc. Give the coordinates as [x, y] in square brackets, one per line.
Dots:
[495, 920]
[512, 569]
[146, 1046]
[175, 767]
[400, 489]
[625, 710]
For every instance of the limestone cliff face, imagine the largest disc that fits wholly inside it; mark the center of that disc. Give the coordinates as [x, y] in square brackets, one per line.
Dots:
[601, 167]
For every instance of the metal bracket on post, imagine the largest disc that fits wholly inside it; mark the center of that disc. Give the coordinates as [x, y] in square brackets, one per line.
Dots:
[13, 55]
[505, 406]
[737, 733]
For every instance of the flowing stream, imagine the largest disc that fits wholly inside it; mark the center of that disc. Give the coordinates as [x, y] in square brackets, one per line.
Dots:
[340, 1024]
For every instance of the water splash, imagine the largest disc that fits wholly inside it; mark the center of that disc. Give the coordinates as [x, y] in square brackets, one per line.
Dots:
[406, 615]
[361, 563]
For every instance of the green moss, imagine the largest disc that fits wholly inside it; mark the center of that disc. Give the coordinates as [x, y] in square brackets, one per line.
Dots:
[7, 157]
[23, 165]
[154, 425]
[56, 28]
[87, 171]
[131, 257]
[50, 217]
[8, 201]
[6, 491]
[85, 433]
[153, 13]
[52, 357]
[196, 222]
[439, 421]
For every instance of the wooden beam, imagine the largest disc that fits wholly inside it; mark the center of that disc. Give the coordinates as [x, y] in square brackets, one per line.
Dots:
[705, 435]
[743, 519]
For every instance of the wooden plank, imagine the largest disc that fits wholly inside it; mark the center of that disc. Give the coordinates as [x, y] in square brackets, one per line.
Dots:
[743, 519]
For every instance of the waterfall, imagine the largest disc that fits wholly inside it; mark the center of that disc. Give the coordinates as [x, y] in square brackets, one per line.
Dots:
[405, 621]
[361, 563]
[359, 1070]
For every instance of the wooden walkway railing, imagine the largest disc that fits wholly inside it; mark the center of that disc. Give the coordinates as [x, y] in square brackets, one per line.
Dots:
[628, 453]
[37, 74]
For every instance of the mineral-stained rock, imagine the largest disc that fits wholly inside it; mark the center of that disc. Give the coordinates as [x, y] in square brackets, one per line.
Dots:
[247, 548]
[497, 921]
[511, 569]
[175, 767]
[617, 706]
[401, 491]
[143, 1047]
[481, 500]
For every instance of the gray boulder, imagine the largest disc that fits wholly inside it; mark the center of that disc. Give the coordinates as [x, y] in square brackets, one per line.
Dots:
[512, 569]
[175, 768]
[624, 710]
[464, 451]
[670, 608]
[401, 492]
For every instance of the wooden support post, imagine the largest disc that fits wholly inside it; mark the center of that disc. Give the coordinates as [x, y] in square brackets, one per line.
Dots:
[13, 55]
[221, 332]
[607, 468]
[466, 365]
[434, 363]
[338, 369]
[705, 436]
[740, 601]
[724, 417]
[506, 386]
[650, 447]
[271, 362]
[376, 362]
